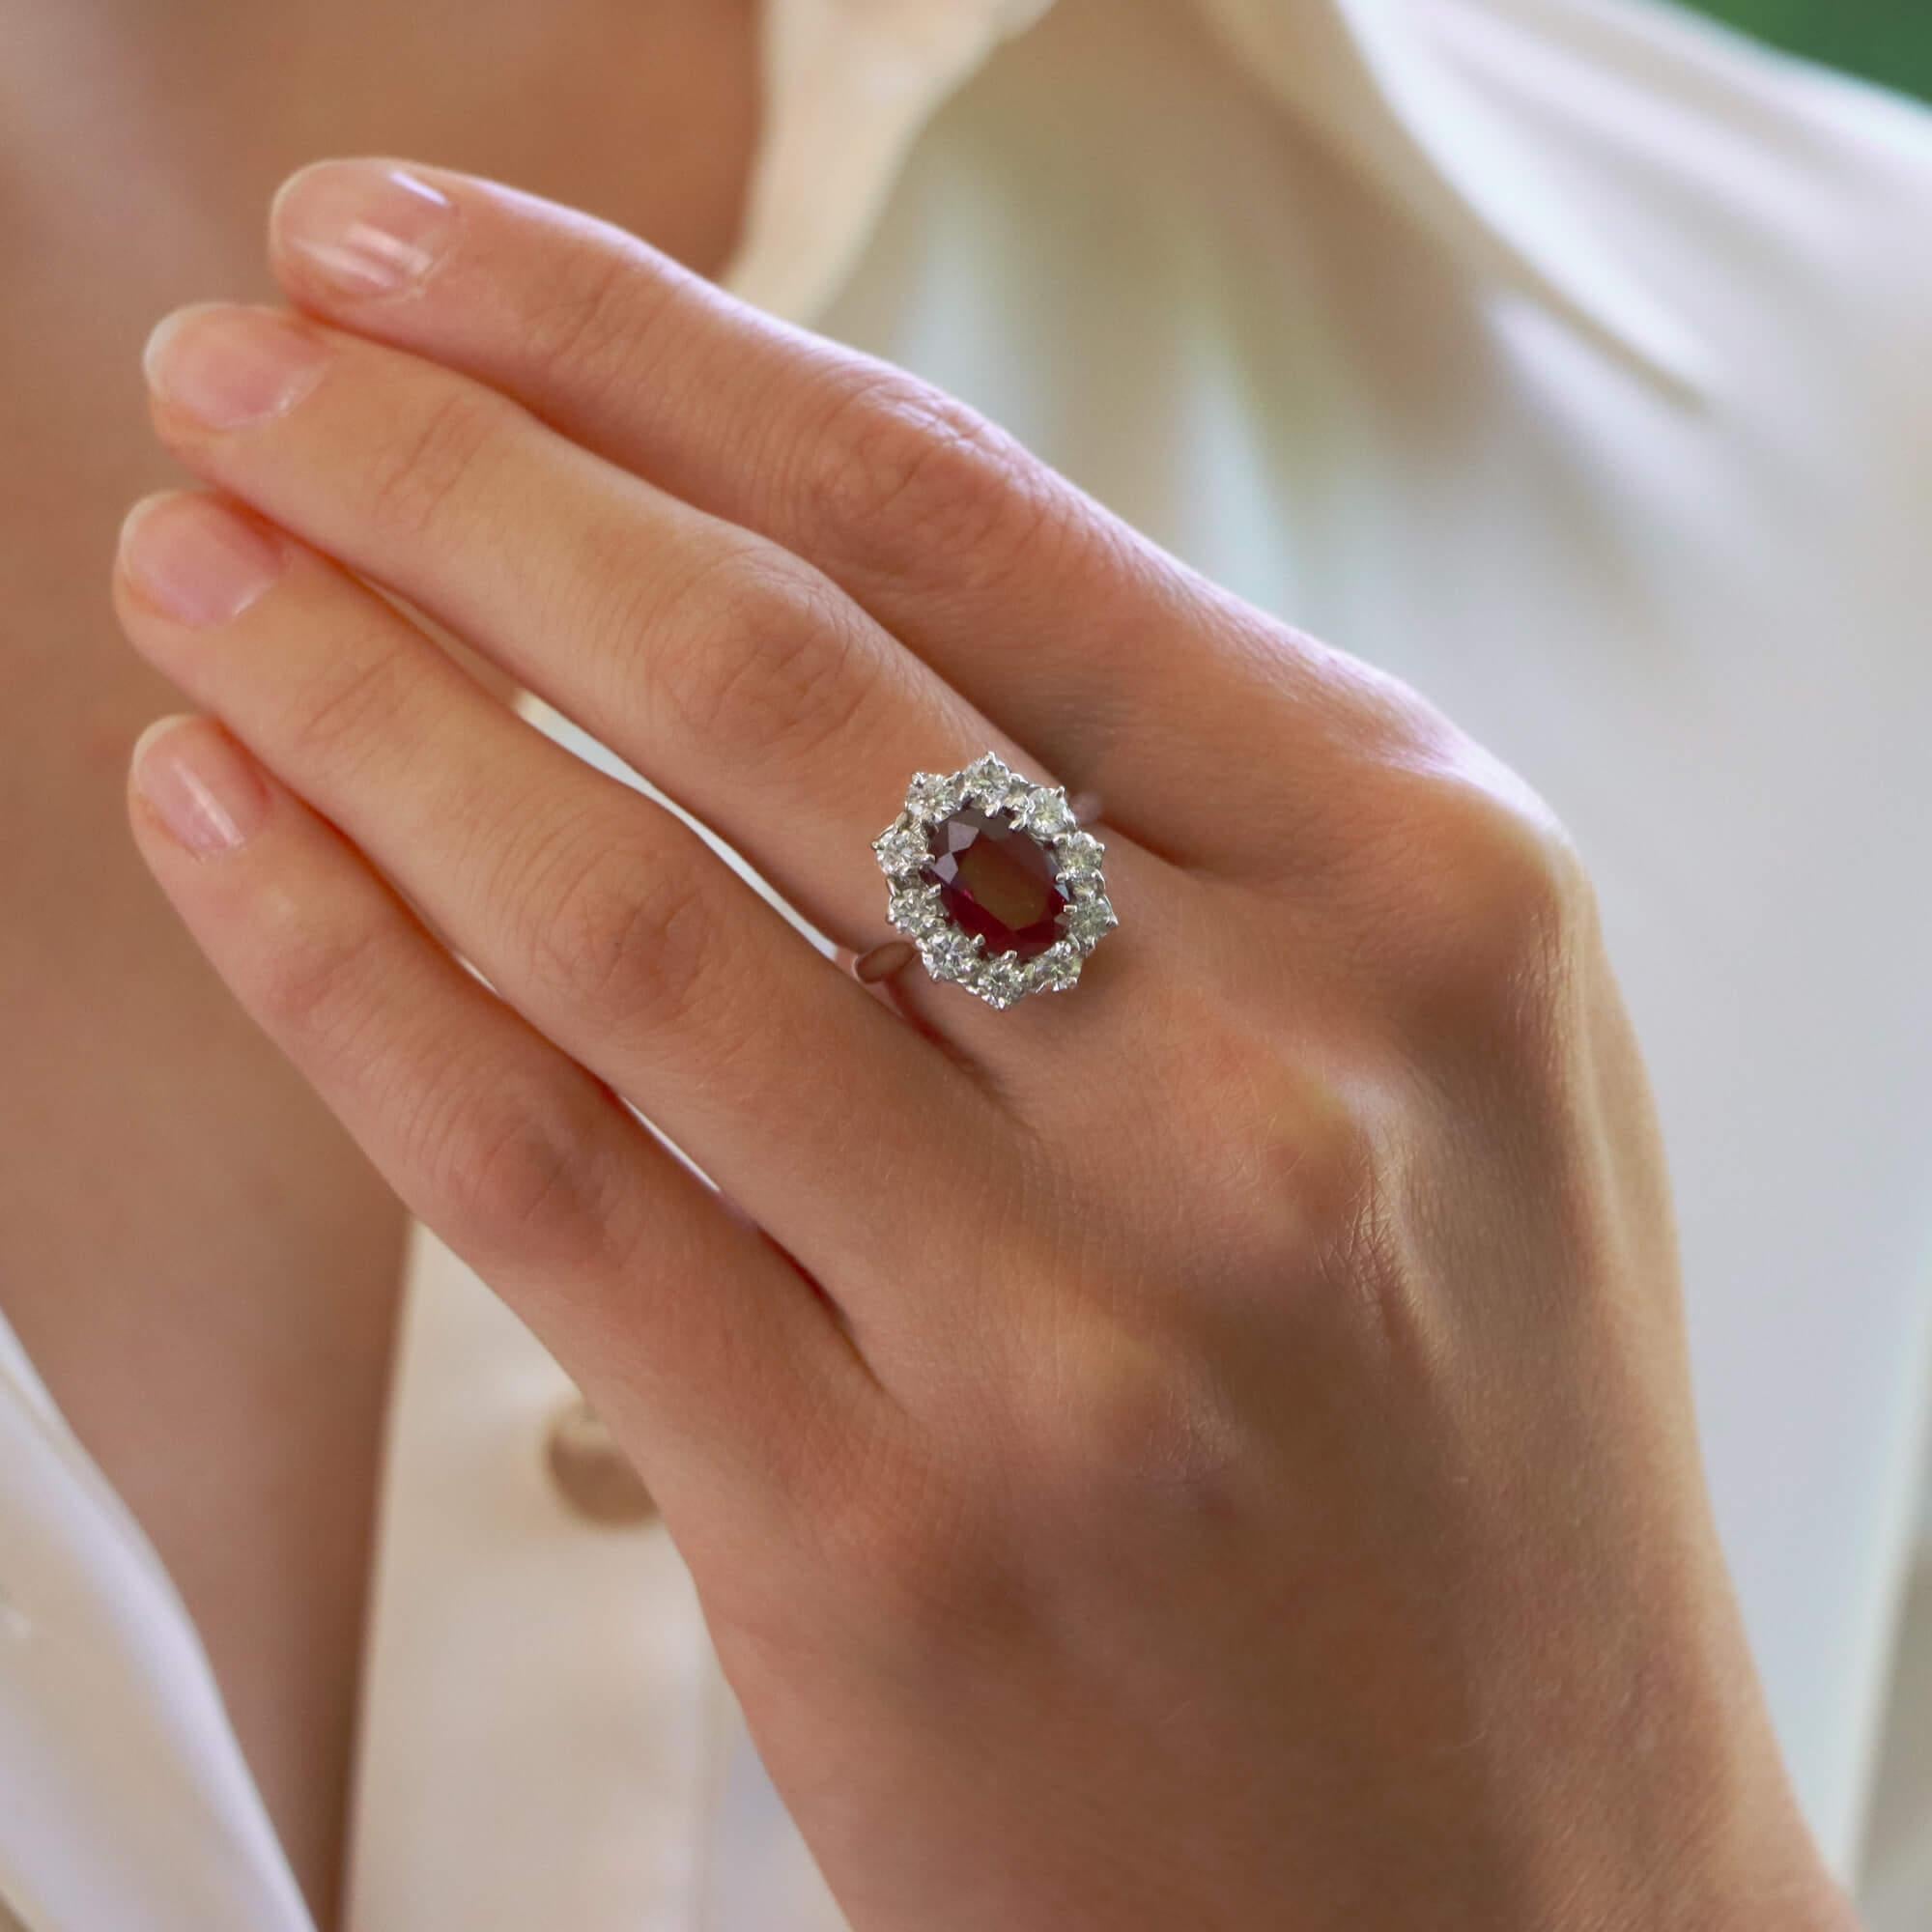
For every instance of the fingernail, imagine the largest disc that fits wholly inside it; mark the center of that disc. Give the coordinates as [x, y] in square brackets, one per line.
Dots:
[203, 787]
[365, 229]
[228, 366]
[194, 559]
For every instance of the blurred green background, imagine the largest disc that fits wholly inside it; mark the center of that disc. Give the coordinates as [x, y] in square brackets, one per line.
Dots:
[1888, 41]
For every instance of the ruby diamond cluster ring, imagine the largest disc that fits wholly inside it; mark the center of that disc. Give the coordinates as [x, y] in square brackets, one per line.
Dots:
[993, 880]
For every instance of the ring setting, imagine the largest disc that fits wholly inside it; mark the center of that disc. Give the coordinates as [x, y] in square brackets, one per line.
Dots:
[994, 880]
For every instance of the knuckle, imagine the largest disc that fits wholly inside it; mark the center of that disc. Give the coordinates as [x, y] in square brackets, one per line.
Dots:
[1351, 1235]
[594, 314]
[353, 710]
[1288, 1146]
[314, 989]
[518, 1170]
[776, 667]
[617, 934]
[1302, 1189]
[902, 467]
[1321, 1175]
[425, 466]
[1482, 903]
[765, 659]
[1130, 1421]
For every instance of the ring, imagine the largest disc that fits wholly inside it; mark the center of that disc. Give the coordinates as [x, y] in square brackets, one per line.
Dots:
[993, 880]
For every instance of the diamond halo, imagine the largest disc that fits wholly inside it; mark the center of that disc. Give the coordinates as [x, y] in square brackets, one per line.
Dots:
[1005, 804]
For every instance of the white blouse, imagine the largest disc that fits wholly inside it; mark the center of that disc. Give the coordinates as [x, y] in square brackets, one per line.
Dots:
[1565, 357]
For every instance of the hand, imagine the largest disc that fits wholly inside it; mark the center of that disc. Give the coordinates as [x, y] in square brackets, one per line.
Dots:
[1208, 1449]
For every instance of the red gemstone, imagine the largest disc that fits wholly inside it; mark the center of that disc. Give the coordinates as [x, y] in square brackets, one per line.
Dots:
[995, 879]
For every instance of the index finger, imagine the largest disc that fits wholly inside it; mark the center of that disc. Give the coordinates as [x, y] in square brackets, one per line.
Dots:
[1067, 628]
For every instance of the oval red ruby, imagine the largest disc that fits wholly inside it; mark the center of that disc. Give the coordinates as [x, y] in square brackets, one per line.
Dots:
[996, 880]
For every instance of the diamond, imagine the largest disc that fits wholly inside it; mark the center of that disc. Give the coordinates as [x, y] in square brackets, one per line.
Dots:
[991, 785]
[901, 846]
[1088, 920]
[1055, 970]
[1079, 855]
[1044, 812]
[990, 768]
[949, 955]
[1002, 980]
[932, 795]
[917, 912]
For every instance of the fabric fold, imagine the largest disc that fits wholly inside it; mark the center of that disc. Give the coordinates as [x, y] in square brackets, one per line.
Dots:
[848, 85]
[861, 78]
[1364, 76]
[106, 1691]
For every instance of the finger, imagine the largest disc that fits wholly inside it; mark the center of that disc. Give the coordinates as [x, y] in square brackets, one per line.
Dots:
[1080, 637]
[713, 1358]
[726, 669]
[595, 912]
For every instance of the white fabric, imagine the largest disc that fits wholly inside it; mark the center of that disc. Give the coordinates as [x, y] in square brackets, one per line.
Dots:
[1565, 357]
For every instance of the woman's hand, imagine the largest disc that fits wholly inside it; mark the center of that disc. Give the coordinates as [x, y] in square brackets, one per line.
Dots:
[1210, 1449]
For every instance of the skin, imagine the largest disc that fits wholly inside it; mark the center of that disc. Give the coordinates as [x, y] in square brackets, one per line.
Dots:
[1220, 1439]
[200, 1263]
